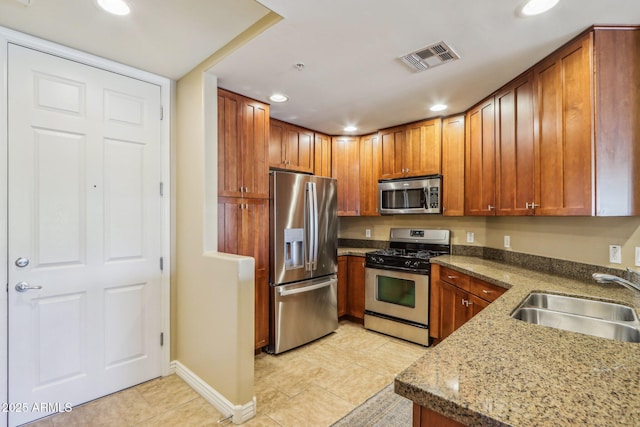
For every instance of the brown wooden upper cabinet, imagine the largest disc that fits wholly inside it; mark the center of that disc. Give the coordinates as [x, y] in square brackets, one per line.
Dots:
[243, 152]
[563, 134]
[322, 157]
[586, 136]
[410, 150]
[453, 166]
[515, 148]
[345, 167]
[369, 174]
[480, 163]
[562, 139]
[291, 147]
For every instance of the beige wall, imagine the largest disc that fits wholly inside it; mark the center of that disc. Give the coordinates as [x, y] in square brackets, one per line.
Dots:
[580, 239]
[212, 293]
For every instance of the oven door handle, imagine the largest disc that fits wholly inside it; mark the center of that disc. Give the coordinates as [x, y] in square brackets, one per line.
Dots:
[284, 293]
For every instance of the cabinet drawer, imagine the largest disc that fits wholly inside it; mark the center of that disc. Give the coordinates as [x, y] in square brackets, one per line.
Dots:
[484, 290]
[454, 277]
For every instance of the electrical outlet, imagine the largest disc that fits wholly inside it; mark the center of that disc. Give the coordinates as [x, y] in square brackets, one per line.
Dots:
[470, 237]
[615, 254]
[637, 256]
[367, 232]
[507, 241]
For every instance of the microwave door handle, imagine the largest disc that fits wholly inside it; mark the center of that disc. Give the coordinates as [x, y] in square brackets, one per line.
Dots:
[405, 199]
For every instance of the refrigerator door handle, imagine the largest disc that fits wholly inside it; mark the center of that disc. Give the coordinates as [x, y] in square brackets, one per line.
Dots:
[284, 292]
[314, 262]
[312, 221]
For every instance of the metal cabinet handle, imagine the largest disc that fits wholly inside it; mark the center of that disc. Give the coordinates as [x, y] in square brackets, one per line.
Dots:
[24, 287]
[484, 291]
[451, 277]
[489, 207]
[531, 205]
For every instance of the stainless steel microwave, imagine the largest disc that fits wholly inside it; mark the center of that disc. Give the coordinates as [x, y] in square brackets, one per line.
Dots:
[416, 195]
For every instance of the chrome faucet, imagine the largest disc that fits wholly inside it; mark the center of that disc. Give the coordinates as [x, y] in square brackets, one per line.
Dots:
[609, 278]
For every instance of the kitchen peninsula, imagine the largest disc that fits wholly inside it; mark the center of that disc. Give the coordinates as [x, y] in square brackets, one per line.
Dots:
[498, 371]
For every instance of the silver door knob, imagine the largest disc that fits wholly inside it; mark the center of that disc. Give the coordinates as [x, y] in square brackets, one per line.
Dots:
[22, 262]
[24, 287]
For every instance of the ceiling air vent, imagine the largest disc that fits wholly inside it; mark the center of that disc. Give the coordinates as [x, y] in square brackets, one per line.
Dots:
[430, 56]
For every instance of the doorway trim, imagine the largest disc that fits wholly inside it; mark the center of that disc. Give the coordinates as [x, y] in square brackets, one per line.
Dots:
[166, 87]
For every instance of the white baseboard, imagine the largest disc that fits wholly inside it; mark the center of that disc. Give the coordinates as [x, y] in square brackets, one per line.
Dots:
[238, 413]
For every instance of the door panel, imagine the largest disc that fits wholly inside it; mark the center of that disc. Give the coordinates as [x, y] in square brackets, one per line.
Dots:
[85, 209]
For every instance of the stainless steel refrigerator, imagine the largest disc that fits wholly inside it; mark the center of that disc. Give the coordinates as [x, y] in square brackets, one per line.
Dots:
[304, 259]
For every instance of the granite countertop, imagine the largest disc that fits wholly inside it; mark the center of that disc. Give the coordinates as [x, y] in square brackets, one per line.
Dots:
[498, 371]
[354, 251]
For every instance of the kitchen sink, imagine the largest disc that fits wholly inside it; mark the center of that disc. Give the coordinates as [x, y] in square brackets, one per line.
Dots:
[596, 318]
[584, 307]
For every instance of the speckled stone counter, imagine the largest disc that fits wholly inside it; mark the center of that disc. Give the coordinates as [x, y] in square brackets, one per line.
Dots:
[498, 371]
[354, 251]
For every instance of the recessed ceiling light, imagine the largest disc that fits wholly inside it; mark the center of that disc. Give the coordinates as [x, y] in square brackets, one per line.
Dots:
[536, 7]
[278, 97]
[116, 7]
[438, 107]
[350, 129]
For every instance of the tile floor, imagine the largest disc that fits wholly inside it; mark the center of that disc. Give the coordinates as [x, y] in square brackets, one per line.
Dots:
[314, 385]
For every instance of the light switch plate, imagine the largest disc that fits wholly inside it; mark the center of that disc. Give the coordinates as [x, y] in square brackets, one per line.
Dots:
[637, 256]
[470, 237]
[367, 232]
[507, 241]
[615, 254]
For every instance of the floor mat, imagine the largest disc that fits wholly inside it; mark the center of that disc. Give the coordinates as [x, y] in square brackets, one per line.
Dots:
[383, 409]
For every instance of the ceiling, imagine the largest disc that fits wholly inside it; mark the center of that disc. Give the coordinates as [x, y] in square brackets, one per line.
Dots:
[165, 37]
[349, 48]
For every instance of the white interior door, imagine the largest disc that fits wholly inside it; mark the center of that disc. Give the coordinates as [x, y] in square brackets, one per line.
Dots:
[84, 231]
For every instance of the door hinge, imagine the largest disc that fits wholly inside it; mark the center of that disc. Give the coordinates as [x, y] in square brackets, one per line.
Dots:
[162, 189]
[161, 339]
[161, 263]
[161, 112]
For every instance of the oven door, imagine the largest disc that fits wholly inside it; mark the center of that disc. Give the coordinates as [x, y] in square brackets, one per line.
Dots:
[398, 294]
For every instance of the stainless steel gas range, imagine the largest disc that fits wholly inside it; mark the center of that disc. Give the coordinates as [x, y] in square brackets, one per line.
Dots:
[397, 283]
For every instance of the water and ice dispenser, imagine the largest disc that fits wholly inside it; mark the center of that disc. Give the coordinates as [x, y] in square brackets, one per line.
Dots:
[293, 248]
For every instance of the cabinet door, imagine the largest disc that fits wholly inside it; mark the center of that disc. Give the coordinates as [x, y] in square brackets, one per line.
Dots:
[322, 157]
[345, 167]
[563, 138]
[299, 150]
[342, 286]
[229, 147]
[480, 167]
[453, 312]
[254, 242]
[277, 146]
[422, 148]
[369, 174]
[242, 225]
[355, 287]
[255, 149]
[514, 148]
[453, 166]
[476, 305]
[391, 146]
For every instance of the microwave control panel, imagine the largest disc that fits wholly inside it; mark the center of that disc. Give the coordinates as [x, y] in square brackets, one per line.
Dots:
[434, 197]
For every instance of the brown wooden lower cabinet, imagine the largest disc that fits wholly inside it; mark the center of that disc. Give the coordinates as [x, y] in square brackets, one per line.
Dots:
[355, 287]
[424, 417]
[342, 286]
[351, 287]
[455, 299]
[238, 220]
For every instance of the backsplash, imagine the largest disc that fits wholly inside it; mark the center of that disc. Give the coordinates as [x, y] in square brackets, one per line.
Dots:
[559, 267]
